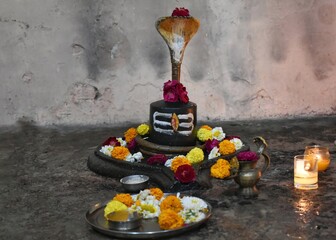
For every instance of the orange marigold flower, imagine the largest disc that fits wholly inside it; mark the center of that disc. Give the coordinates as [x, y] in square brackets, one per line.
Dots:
[120, 152]
[221, 169]
[125, 198]
[130, 134]
[169, 219]
[206, 127]
[156, 192]
[226, 147]
[171, 202]
[178, 161]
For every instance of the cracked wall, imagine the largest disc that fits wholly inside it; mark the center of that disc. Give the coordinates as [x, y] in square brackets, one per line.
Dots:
[103, 62]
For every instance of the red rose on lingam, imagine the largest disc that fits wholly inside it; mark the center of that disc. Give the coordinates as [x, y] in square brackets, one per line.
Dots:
[174, 91]
[180, 12]
[185, 173]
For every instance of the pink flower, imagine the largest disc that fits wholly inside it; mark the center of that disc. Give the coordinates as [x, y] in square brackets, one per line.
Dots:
[174, 91]
[231, 137]
[157, 159]
[111, 141]
[185, 173]
[132, 145]
[247, 156]
[180, 12]
[210, 144]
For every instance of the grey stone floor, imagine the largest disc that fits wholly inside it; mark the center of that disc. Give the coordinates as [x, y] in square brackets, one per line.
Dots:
[46, 187]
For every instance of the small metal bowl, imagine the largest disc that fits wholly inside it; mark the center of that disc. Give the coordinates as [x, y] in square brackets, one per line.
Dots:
[135, 183]
[124, 220]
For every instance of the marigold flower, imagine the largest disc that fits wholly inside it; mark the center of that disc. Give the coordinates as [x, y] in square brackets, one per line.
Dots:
[221, 169]
[130, 134]
[204, 134]
[195, 155]
[120, 152]
[168, 219]
[125, 198]
[226, 147]
[156, 192]
[206, 127]
[178, 161]
[171, 202]
[142, 129]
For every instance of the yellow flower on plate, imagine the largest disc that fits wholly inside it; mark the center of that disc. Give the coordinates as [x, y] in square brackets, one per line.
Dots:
[124, 198]
[142, 129]
[157, 193]
[114, 206]
[221, 169]
[204, 134]
[171, 202]
[195, 155]
[169, 219]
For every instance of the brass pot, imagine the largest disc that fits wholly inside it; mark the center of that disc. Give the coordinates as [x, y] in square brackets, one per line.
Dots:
[249, 174]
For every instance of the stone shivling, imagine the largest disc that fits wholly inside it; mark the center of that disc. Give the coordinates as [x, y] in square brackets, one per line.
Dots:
[173, 127]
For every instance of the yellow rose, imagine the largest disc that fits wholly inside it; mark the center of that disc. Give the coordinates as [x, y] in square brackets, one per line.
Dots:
[143, 129]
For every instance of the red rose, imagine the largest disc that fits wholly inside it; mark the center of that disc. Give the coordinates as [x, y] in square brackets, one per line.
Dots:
[247, 156]
[157, 159]
[210, 144]
[111, 141]
[174, 91]
[183, 94]
[180, 12]
[185, 174]
[231, 137]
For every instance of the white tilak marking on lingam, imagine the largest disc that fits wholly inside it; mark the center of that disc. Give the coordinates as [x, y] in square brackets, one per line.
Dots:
[168, 123]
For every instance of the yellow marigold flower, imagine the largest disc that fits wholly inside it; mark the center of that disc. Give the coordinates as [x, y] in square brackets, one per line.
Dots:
[178, 161]
[221, 169]
[120, 152]
[156, 192]
[168, 219]
[171, 202]
[195, 155]
[113, 206]
[206, 127]
[143, 129]
[130, 134]
[204, 134]
[226, 147]
[125, 198]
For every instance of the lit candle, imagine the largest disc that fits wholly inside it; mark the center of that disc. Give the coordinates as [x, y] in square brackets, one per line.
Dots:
[321, 154]
[305, 172]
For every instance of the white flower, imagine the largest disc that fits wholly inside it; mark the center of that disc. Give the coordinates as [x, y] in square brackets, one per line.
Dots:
[214, 153]
[218, 134]
[191, 216]
[136, 157]
[149, 206]
[122, 142]
[237, 142]
[193, 203]
[107, 149]
[168, 163]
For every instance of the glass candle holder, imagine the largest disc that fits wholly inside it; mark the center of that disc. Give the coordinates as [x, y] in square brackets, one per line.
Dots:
[305, 172]
[321, 154]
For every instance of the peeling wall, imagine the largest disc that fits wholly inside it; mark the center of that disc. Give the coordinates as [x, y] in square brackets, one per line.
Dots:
[96, 62]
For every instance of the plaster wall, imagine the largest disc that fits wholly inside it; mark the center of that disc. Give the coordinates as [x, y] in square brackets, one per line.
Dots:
[96, 62]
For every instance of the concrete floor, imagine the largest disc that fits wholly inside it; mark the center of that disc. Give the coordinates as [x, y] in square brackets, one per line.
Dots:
[46, 187]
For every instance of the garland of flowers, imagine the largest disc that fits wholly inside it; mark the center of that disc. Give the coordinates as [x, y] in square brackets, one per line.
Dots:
[215, 141]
